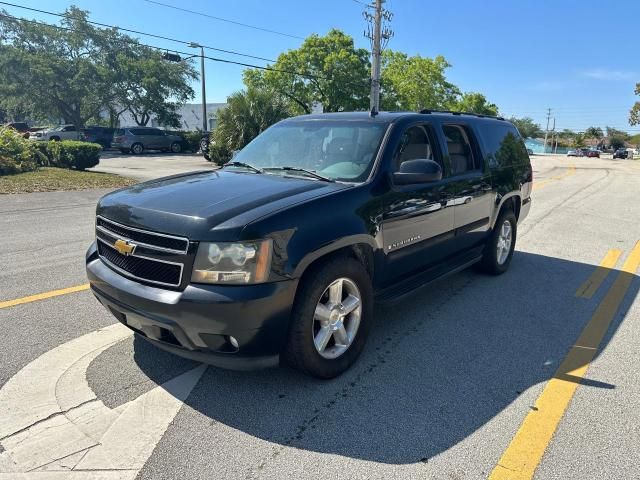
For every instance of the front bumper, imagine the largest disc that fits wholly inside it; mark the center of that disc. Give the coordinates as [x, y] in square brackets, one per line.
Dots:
[197, 323]
[525, 208]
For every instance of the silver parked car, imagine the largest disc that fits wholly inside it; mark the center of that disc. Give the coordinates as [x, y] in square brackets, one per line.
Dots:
[138, 139]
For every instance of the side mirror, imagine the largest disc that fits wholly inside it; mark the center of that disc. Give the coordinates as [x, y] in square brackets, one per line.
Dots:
[420, 170]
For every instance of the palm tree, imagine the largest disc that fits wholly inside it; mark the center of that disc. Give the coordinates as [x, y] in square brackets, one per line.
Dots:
[578, 140]
[247, 114]
[594, 132]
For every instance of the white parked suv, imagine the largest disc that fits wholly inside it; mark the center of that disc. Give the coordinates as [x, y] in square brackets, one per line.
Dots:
[62, 132]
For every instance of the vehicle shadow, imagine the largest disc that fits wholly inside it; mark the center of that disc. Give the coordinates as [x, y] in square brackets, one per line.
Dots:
[439, 365]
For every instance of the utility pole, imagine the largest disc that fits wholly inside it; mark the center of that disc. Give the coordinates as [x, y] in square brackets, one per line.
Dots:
[554, 135]
[378, 34]
[546, 132]
[205, 126]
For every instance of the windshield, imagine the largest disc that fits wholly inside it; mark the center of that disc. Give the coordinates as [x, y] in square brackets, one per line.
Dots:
[340, 150]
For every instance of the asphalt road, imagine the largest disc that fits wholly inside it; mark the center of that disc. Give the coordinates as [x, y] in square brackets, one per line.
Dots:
[441, 392]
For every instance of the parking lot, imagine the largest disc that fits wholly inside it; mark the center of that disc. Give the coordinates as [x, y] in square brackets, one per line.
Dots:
[467, 378]
[150, 165]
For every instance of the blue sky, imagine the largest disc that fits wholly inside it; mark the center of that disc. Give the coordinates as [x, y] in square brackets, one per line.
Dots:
[578, 57]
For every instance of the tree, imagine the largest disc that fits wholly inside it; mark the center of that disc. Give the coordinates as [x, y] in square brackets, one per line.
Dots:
[328, 70]
[578, 140]
[247, 114]
[76, 72]
[616, 142]
[415, 83]
[634, 114]
[527, 127]
[149, 85]
[595, 133]
[614, 132]
[474, 102]
[52, 72]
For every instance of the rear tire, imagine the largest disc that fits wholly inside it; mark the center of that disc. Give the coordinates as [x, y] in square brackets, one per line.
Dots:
[54, 139]
[176, 147]
[499, 248]
[317, 314]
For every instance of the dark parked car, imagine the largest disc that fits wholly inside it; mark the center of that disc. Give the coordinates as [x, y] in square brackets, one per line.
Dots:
[20, 127]
[138, 139]
[592, 153]
[101, 135]
[621, 153]
[279, 255]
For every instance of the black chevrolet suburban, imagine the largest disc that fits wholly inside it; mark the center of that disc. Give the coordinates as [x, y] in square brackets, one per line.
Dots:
[279, 255]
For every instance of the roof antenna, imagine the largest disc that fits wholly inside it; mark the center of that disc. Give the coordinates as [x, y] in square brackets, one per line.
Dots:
[373, 112]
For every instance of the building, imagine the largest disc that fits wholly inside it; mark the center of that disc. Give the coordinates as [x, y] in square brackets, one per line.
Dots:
[190, 113]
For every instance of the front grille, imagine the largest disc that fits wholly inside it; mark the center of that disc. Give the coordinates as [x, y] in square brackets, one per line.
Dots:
[157, 258]
[140, 237]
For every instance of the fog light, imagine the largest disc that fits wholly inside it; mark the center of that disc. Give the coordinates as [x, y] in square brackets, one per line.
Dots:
[233, 341]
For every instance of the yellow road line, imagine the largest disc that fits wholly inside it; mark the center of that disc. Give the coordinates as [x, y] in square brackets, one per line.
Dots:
[523, 455]
[591, 285]
[43, 296]
[544, 182]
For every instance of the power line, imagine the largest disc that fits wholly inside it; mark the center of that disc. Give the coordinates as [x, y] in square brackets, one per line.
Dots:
[190, 54]
[224, 19]
[137, 32]
[215, 59]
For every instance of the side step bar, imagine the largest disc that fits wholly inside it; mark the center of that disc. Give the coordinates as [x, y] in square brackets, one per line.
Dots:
[409, 285]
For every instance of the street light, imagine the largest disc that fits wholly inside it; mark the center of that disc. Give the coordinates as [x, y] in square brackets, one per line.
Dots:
[205, 127]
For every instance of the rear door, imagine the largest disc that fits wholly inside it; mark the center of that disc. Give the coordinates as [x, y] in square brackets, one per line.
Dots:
[417, 220]
[473, 197]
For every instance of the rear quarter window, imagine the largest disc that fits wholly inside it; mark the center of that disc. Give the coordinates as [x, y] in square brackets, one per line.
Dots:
[503, 145]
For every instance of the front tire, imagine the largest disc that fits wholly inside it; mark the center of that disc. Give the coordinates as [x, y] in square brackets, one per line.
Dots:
[499, 248]
[331, 318]
[176, 147]
[137, 148]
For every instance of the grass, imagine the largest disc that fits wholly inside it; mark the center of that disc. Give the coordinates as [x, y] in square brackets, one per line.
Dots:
[48, 179]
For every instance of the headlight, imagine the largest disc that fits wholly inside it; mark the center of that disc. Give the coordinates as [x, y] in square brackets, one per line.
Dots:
[236, 263]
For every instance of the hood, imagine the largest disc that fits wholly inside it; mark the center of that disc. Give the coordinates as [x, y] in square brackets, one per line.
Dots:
[203, 205]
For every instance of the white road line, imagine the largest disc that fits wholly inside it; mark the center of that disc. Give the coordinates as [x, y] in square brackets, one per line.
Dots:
[53, 427]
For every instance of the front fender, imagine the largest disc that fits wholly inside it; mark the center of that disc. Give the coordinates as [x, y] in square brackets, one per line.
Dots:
[333, 246]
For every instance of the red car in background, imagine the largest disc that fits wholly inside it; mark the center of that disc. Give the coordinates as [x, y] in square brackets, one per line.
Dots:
[592, 153]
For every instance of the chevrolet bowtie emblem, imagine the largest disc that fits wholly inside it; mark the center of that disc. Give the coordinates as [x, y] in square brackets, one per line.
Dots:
[124, 247]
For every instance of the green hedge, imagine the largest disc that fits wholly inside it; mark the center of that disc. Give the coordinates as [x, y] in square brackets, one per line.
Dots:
[70, 154]
[190, 140]
[17, 154]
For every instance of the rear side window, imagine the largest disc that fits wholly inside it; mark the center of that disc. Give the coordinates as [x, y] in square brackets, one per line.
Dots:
[504, 145]
[137, 131]
[461, 152]
[119, 132]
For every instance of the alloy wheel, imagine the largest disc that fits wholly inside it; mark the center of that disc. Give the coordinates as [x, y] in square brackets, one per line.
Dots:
[336, 318]
[504, 242]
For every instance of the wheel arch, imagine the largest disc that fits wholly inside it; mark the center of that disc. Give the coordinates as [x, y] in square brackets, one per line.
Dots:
[360, 247]
[513, 201]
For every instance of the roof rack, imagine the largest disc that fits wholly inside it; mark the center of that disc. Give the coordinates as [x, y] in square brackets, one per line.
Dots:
[480, 115]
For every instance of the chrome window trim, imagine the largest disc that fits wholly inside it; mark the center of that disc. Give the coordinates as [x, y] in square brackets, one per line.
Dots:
[174, 237]
[131, 275]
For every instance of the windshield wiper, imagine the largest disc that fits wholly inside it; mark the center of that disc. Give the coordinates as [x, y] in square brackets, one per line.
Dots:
[244, 165]
[310, 173]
